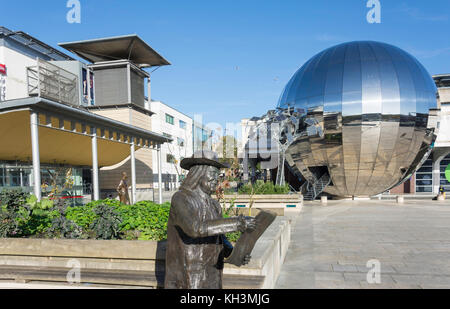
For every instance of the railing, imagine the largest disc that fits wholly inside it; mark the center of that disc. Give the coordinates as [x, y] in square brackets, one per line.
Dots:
[313, 190]
[52, 82]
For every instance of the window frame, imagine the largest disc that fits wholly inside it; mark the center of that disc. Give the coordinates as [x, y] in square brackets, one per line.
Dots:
[170, 119]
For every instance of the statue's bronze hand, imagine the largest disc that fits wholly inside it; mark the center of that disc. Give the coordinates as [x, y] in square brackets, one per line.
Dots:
[246, 224]
[247, 259]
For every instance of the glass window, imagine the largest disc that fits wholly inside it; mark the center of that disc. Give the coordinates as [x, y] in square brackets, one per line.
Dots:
[180, 141]
[424, 182]
[424, 189]
[14, 178]
[444, 182]
[170, 119]
[423, 176]
[205, 136]
[183, 124]
[425, 169]
[428, 163]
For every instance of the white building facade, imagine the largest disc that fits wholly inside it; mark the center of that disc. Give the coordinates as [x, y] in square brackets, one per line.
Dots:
[178, 126]
[188, 137]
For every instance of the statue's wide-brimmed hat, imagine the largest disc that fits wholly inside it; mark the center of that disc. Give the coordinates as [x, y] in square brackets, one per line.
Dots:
[204, 157]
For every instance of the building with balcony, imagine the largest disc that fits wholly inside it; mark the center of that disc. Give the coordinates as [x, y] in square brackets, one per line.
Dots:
[50, 120]
[118, 65]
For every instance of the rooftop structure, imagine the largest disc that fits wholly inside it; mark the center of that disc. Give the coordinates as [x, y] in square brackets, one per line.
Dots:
[127, 47]
[33, 43]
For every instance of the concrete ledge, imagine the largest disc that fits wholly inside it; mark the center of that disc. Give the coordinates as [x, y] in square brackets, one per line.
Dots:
[110, 249]
[268, 255]
[288, 202]
[142, 256]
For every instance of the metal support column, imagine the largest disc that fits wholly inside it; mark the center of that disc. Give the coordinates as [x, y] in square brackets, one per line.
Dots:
[34, 122]
[160, 175]
[95, 183]
[133, 173]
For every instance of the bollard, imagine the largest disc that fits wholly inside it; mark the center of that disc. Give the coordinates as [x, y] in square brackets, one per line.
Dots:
[441, 197]
[400, 199]
[324, 200]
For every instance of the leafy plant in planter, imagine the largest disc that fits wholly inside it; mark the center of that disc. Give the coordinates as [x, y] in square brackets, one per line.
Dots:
[144, 220]
[13, 199]
[107, 222]
[261, 187]
[61, 226]
[9, 226]
[12, 212]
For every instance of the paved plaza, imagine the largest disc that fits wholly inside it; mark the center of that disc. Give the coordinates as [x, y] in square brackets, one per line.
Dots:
[331, 245]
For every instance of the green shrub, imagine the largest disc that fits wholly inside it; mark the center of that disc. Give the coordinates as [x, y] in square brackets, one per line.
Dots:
[261, 187]
[9, 226]
[142, 221]
[13, 199]
[13, 212]
[61, 227]
[107, 222]
[23, 216]
[145, 220]
[83, 216]
[32, 203]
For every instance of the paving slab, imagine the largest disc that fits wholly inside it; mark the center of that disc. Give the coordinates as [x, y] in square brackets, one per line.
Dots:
[331, 245]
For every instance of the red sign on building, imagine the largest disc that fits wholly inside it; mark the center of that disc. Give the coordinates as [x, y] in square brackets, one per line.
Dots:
[3, 69]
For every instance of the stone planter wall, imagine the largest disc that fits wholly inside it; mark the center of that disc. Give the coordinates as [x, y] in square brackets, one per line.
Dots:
[281, 204]
[267, 256]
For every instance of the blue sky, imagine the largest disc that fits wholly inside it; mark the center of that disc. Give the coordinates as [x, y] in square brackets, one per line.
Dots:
[231, 59]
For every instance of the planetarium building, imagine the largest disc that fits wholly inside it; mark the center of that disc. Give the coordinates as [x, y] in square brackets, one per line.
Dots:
[361, 119]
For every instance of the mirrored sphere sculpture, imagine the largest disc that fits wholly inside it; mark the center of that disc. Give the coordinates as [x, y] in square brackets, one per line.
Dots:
[371, 103]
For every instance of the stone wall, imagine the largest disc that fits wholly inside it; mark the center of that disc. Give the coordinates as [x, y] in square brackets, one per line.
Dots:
[267, 256]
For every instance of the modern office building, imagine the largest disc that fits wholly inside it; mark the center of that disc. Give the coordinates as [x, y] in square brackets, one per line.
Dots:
[431, 175]
[187, 137]
[55, 117]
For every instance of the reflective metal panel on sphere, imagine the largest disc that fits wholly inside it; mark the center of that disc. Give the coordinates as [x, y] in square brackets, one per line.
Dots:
[372, 101]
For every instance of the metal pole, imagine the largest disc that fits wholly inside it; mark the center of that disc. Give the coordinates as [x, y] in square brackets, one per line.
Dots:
[34, 121]
[160, 175]
[133, 173]
[95, 185]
